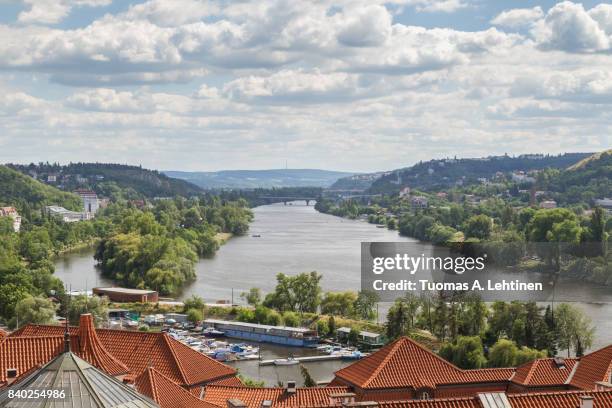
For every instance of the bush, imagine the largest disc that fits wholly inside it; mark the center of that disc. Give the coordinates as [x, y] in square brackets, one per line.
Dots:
[291, 319]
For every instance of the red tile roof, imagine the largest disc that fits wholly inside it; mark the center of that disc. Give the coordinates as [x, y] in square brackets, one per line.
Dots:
[25, 353]
[402, 363]
[166, 392]
[405, 363]
[543, 372]
[592, 368]
[139, 350]
[567, 399]
[253, 397]
[91, 349]
[440, 403]
[3, 334]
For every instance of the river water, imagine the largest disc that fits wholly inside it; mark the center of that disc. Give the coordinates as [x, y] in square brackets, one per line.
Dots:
[296, 238]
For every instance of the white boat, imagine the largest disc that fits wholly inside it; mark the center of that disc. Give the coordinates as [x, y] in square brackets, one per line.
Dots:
[286, 361]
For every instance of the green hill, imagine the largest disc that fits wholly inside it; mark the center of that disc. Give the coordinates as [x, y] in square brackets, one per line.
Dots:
[27, 194]
[585, 181]
[111, 180]
[446, 173]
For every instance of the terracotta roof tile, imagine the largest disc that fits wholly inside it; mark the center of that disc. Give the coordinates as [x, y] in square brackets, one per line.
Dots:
[3, 334]
[471, 402]
[166, 392]
[543, 372]
[253, 397]
[592, 368]
[139, 350]
[402, 363]
[91, 349]
[405, 363]
[25, 353]
[567, 399]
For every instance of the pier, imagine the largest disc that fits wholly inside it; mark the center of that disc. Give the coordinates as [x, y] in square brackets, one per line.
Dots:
[310, 359]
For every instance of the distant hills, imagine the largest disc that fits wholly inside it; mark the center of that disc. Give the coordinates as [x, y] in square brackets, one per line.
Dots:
[109, 179]
[236, 179]
[446, 173]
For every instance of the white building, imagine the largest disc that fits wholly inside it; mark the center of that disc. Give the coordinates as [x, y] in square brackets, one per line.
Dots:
[404, 192]
[91, 203]
[12, 212]
[66, 215]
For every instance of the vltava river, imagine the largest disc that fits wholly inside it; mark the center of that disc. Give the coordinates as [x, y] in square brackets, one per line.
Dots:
[296, 238]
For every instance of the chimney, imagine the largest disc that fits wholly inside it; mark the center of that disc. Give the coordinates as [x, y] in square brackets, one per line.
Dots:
[266, 404]
[235, 403]
[291, 388]
[586, 401]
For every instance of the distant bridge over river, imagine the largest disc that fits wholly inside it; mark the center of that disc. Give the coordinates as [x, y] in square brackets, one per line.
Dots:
[286, 199]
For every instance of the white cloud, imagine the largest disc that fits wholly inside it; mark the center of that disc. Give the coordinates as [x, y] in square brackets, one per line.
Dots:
[53, 11]
[569, 27]
[518, 18]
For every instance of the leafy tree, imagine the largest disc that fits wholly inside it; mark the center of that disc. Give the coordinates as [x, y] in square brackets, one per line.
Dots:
[194, 302]
[465, 352]
[478, 226]
[80, 304]
[331, 323]
[194, 315]
[365, 304]
[574, 329]
[308, 380]
[322, 327]
[291, 319]
[401, 317]
[503, 354]
[36, 310]
[252, 297]
[339, 303]
[301, 293]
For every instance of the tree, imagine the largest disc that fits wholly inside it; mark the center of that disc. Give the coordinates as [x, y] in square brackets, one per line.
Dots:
[401, 316]
[301, 293]
[365, 303]
[308, 380]
[290, 319]
[331, 323]
[80, 304]
[478, 226]
[573, 328]
[194, 302]
[540, 230]
[339, 303]
[503, 354]
[252, 297]
[353, 336]
[194, 315]
[465, 352]
[34, 309]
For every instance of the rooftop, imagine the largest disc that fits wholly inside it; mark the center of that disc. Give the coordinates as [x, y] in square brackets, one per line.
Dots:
[126, 290]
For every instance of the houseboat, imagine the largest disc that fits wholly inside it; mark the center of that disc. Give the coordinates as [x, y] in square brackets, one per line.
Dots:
[287, 336]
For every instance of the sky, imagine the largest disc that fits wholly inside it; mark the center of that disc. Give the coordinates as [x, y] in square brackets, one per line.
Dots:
[353, 85]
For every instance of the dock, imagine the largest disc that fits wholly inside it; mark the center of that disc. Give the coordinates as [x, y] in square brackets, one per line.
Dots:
[310, 359]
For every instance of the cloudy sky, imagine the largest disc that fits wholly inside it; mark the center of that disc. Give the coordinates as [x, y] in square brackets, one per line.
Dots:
[359, 85]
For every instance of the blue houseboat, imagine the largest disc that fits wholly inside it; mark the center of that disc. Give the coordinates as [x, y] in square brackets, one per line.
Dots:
[287, 336]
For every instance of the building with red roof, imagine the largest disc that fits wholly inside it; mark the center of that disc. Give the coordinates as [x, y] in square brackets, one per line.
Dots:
[405, 370]
[121, 353]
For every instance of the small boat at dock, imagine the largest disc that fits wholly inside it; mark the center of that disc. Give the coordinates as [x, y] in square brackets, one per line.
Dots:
[286, 361]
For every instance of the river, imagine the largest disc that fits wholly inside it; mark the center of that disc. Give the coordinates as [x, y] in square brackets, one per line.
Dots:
[296, 238]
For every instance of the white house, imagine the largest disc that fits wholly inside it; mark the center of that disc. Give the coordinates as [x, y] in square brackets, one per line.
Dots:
[12, 212]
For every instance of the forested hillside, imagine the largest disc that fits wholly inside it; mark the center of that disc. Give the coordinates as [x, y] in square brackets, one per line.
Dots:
[445, 173]
[27, 195]
[110, 180]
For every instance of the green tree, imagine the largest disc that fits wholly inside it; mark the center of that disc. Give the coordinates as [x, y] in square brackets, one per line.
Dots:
[503, 354]
[252, 297]
[465, 352]
[291, 319]
[308, 380]
[34, 309]
[573, 328]
[80, 304]
[194, 315]
[339, 303]
[194, 302]
[478, 226]
[365, 304]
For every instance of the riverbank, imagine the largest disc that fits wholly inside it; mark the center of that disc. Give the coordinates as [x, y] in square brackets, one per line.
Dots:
[89, 244]
[223, 237]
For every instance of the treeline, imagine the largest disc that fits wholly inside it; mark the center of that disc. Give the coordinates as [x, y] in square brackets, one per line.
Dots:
[157, 248]
[502, 334]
